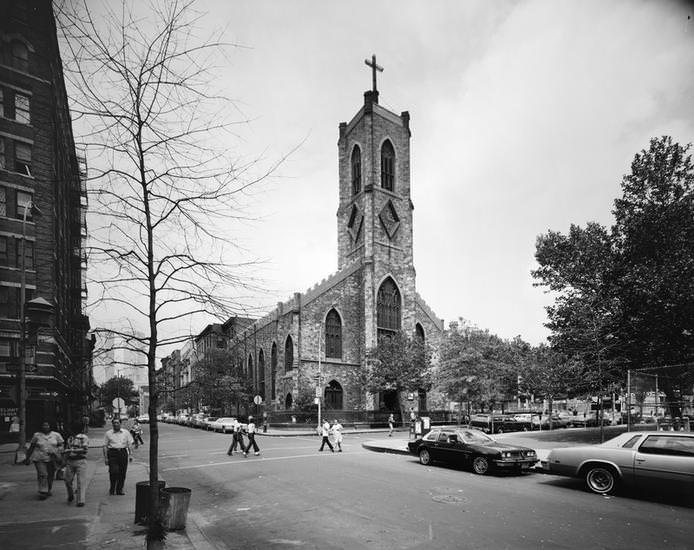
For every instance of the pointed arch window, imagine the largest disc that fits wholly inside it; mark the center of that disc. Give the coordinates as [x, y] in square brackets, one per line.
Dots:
[388, 306]
[356, 170]
[419, 333]
[288, 354]
[333, 335]
[261, 374]
[387, 166]
[251, 374]
[273, 371]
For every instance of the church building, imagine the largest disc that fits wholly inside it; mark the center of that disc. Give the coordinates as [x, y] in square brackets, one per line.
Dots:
[316, 343]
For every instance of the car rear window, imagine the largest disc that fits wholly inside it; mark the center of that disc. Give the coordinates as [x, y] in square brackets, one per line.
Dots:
[629, 444]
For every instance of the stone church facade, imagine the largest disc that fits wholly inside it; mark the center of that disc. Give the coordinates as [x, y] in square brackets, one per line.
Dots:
[329, 328]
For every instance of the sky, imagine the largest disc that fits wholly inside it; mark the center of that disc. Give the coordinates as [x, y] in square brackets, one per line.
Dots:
[524, 118]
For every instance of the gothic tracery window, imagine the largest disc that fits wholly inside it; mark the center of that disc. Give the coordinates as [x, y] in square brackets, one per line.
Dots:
[261, 374]
[388, 306]
[273, 371]
[333, 335]
[288, 354]
[387, 166]
[356, 170]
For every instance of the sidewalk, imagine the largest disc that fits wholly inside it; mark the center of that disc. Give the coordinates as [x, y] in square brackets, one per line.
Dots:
[104, 523]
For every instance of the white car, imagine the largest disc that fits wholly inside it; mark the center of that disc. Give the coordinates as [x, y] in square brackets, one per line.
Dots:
[224, 424]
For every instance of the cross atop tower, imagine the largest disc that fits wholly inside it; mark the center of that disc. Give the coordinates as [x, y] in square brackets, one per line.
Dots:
[374, 68]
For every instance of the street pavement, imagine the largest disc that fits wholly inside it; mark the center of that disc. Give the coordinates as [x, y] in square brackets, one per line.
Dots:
[107, 522]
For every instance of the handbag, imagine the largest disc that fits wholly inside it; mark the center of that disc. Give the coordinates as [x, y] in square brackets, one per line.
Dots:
[60, 473]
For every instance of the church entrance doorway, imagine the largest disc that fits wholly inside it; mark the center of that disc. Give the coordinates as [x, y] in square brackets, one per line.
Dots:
[288, 402]
[388, 401]
[333, 396]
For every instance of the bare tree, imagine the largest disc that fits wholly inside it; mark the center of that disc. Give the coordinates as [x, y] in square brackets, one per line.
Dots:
[163, 187]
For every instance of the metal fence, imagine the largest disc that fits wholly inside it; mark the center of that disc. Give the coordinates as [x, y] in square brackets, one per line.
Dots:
[663, 396]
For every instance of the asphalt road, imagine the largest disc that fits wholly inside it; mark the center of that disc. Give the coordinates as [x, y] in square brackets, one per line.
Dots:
[292, 496]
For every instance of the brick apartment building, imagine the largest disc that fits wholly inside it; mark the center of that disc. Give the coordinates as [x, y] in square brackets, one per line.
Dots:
[42, 195]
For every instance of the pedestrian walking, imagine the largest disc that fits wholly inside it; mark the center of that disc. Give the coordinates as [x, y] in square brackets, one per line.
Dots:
[76, 464]
[391, 424]
[117, 444]
[136, 432]
[337, 434]
[325, 432]
[45, 451]
[236, 438]
[251, 431]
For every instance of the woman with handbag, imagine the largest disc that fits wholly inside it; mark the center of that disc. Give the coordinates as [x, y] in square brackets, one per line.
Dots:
[46, 452]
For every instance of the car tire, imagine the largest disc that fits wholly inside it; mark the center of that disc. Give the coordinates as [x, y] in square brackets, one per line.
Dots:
[500, 431]
[424, 457]
[480, 465]
[601, 480]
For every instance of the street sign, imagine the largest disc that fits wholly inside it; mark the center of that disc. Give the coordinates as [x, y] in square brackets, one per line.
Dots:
[318, 393]
[118, 403]
[257, 400]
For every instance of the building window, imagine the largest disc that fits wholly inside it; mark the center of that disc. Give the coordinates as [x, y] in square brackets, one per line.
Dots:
[6, 348]
[273, 370]
[261, 374]
[250, 371]
[288, 354]
[356, 170]
[333, 335]
[19, 55]
[28, 254]
[3, 163]
[387, 166]
[22, 108]
[22, 158]
[419, 333]
[388, 307]
[23, 200]
[4, 258]
[9, 301]
[3, 200]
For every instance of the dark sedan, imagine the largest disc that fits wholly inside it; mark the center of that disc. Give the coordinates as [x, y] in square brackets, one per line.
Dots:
[469, 447]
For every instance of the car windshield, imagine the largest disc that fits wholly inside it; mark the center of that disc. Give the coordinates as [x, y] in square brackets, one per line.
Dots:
[225, 420]
[474, 436]
[211, 418]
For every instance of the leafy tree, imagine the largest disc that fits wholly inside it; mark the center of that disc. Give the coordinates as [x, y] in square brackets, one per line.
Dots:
[625, 296]
[118, 386]
[399, 362]
[475, 366]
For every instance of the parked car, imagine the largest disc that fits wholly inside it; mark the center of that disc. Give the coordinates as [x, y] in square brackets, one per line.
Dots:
[501, 423]
[653, 460]
[224, 424]
[209, 423]
[143, 419]
[470, 447]
[197, 420]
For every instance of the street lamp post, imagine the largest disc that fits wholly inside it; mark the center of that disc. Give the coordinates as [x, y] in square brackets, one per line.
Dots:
[20, 455]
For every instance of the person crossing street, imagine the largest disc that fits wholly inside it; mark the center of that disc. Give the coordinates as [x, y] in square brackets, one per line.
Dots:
[250, 431]
[325, 432]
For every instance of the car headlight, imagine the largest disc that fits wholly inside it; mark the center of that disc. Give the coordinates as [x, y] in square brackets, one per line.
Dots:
[530, 453]
[505, 454]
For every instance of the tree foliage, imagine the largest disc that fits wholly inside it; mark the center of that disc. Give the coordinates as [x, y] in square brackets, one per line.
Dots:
[399, 362]
[118, 386]
[624, 296]
[476, 366]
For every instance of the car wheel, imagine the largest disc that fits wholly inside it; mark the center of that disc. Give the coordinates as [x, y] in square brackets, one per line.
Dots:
[601, 480]
[500, 431]
[480, 465]
[424, 457]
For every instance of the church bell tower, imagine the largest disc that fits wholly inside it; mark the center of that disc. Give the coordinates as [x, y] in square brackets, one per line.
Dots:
[374, 217]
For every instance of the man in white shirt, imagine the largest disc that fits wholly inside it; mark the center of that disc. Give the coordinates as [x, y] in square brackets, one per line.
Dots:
[250, 430]
[325, 432]
[117, 444]
[337, 434]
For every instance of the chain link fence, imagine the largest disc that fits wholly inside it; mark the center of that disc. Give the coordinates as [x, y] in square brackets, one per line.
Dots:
[663, 396]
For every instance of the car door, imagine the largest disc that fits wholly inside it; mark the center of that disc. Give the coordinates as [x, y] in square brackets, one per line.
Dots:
[665, 461]
[442, 447]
